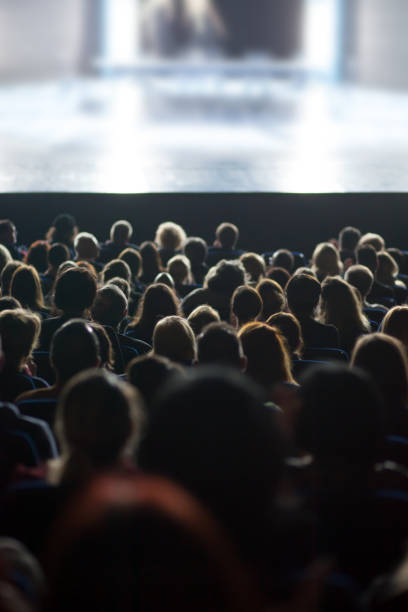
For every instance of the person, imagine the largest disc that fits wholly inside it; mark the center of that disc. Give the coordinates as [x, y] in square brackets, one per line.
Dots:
[157, 302]
[57, 254]
[9, 303]
[368, 256]
[173, 338]
[303, 294]
[339, 306]
[134, 260]
[283, 258]
[19, 332]
[225, 245]
[374, 240]
[8, 239]
[37, 255]
[7, 275]
[25, 286]
[219, 343]
[348, 240]
[170, 238]
[219, 285]
[387, 274]
[87, 248]
[384, 359]
[75, 291]
[272, 296]
[149, 374]
[290, 329]
[152, 264]
[246, 305]
[326, 261]
[120, 234]
[196, 250]
[179, 269]
[5, 257]
[279, 275]
[268, 361]
[63, 229]
[395, 324]
[116, 267]
[99, 422]
[201, 317]
[74, 348]
[254, 266]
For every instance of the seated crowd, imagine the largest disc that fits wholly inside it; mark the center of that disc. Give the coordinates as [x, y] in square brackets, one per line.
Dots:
[194, 427]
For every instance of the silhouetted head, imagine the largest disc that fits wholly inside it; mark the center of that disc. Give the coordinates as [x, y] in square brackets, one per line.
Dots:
[303, 293]
[227, 235]
[74, 348]
[75, 290]
[173, 338]
[219, 343]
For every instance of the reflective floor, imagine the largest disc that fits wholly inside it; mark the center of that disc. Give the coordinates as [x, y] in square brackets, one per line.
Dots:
[204, 133]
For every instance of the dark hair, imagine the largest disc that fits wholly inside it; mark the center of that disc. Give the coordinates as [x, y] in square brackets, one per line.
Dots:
[361, 278]
[74, 347]
[7, 275]
[25, 286]
[196, 250]
[290, 328]
[303, 293]
[149, 373]
[279, 275]
[158, 301]
[219, 343]
[37, 255]
[109, 306]
[116, 267]
[341, 417]
[225, 277]
[283, 258]
[246, 304]
[367, 256]
[9, 303]
[63, 229]
[348, 238]
[75, 290]
[133, 260]
[272, 296]
[152, 263]
[57, 254]
[227, 234]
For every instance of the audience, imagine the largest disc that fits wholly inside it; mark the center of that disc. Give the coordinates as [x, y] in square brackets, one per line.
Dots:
[173, 338]
[246, 305]
[170, 239]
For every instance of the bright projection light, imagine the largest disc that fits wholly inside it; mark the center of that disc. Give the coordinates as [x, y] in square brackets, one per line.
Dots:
[322, 35]
[121, 30]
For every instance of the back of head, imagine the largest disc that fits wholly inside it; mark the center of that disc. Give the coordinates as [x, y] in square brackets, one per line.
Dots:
[57, 254]
[340, 418]
[219, 343]
[99, 417]
[272, 296]
[170, 236]
[395, 323]
[158, 301]
[37, 255]
[227, 235]
[202, 316]
[283, 259]
[25, 286]
[63, 229]
[290, 329]
[19, 332]
[7, 231]
[367, 256]
[9, 303]
[268, 362]
[133, 260]
[224, 435]
[326, 260]
[110, 306]
[196, 250]
[75, 290]
[348, 238]
[152, 264]
[173, 338]
[180, 270]
[340, 305]
[387, 270]
[121, 232]
[384, 358]
[279, 275]
[5, 257]
[254, 266]
[149, 373]
[246, 304]
[116, 267]
[122, 284]
[225, 277]
[303, 293]
[375, 240]
[361, 278]
[86, 246]
[7, 275]
[74, 347]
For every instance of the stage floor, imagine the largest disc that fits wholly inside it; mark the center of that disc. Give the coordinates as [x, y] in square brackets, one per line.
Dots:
[168, 134]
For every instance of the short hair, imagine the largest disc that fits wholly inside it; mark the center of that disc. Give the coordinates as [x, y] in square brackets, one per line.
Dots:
[180, 269]
[121, 231]
[367, 256]
[268, 361]
[99, 418]
[272, 295]
[19, 332]
[227, 234]
[133, 260]
[149, 373]
[361, 278]
[279, 275]
[166, 279]
[375, 240]
[290, 329]
[109, 306]
[225, 277]
[57, 254]
[246, 304]
[219, 343]
[195, 249]
[303, 293]
[116, 267]
[201, 316]
[74, 347]
[122, 284]
[254, 266]
[75, 290]
[348, 238]
[283, 258]
[86, 245]
[170, 236]
[173, 338]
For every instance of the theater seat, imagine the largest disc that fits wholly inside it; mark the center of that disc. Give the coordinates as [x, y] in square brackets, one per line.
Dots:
[321, 353]
[43, 409]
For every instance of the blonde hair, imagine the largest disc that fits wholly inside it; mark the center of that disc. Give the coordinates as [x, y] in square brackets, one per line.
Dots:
[340, 306]
[170, 236]
[254, 266]
[179, 269]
